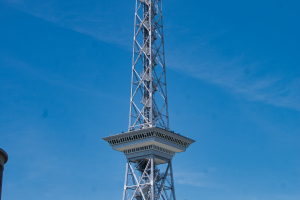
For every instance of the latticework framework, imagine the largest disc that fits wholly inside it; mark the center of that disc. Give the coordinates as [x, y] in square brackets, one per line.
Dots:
[148, 102]
[145, 181]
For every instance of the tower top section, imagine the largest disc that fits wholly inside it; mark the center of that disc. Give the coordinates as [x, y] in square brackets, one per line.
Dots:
[148, 101]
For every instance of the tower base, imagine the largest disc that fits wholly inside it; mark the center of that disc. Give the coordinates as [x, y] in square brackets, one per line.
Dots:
[145, 179]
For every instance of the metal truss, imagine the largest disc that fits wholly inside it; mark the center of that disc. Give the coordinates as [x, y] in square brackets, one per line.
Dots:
[145, 181]
[148, 102]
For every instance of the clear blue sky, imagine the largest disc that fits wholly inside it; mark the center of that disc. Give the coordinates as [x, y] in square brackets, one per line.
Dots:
[233, 73]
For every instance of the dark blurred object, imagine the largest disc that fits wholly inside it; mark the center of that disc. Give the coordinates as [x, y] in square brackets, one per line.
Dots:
[3, 160]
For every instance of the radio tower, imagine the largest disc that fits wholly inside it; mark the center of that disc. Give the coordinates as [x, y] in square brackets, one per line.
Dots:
[149, 145]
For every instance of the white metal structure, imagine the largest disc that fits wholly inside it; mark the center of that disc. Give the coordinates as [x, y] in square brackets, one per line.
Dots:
[149, 145]
[151, 184]
[148, 102]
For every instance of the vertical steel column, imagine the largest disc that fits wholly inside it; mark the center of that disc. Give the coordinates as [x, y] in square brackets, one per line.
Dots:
[126, 179]
[172, 180]
[152, 181]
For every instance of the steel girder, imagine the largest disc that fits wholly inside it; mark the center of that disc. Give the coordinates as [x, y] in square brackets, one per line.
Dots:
[145, 181]
[148, 102]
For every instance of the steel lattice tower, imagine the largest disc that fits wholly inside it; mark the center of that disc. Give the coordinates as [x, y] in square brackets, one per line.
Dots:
[149, 145]
[148, 102]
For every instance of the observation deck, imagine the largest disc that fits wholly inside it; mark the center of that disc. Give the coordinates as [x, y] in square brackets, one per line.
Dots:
[139, 144]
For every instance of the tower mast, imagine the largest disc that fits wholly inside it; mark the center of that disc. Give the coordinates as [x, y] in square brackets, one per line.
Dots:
[149, 145]
[148, 102]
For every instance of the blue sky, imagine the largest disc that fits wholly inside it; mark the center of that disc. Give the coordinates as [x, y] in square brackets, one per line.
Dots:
[233, 73]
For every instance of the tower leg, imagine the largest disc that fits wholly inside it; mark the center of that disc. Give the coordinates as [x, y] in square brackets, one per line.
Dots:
[172, 181]
[125, 184]
[152, 181]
